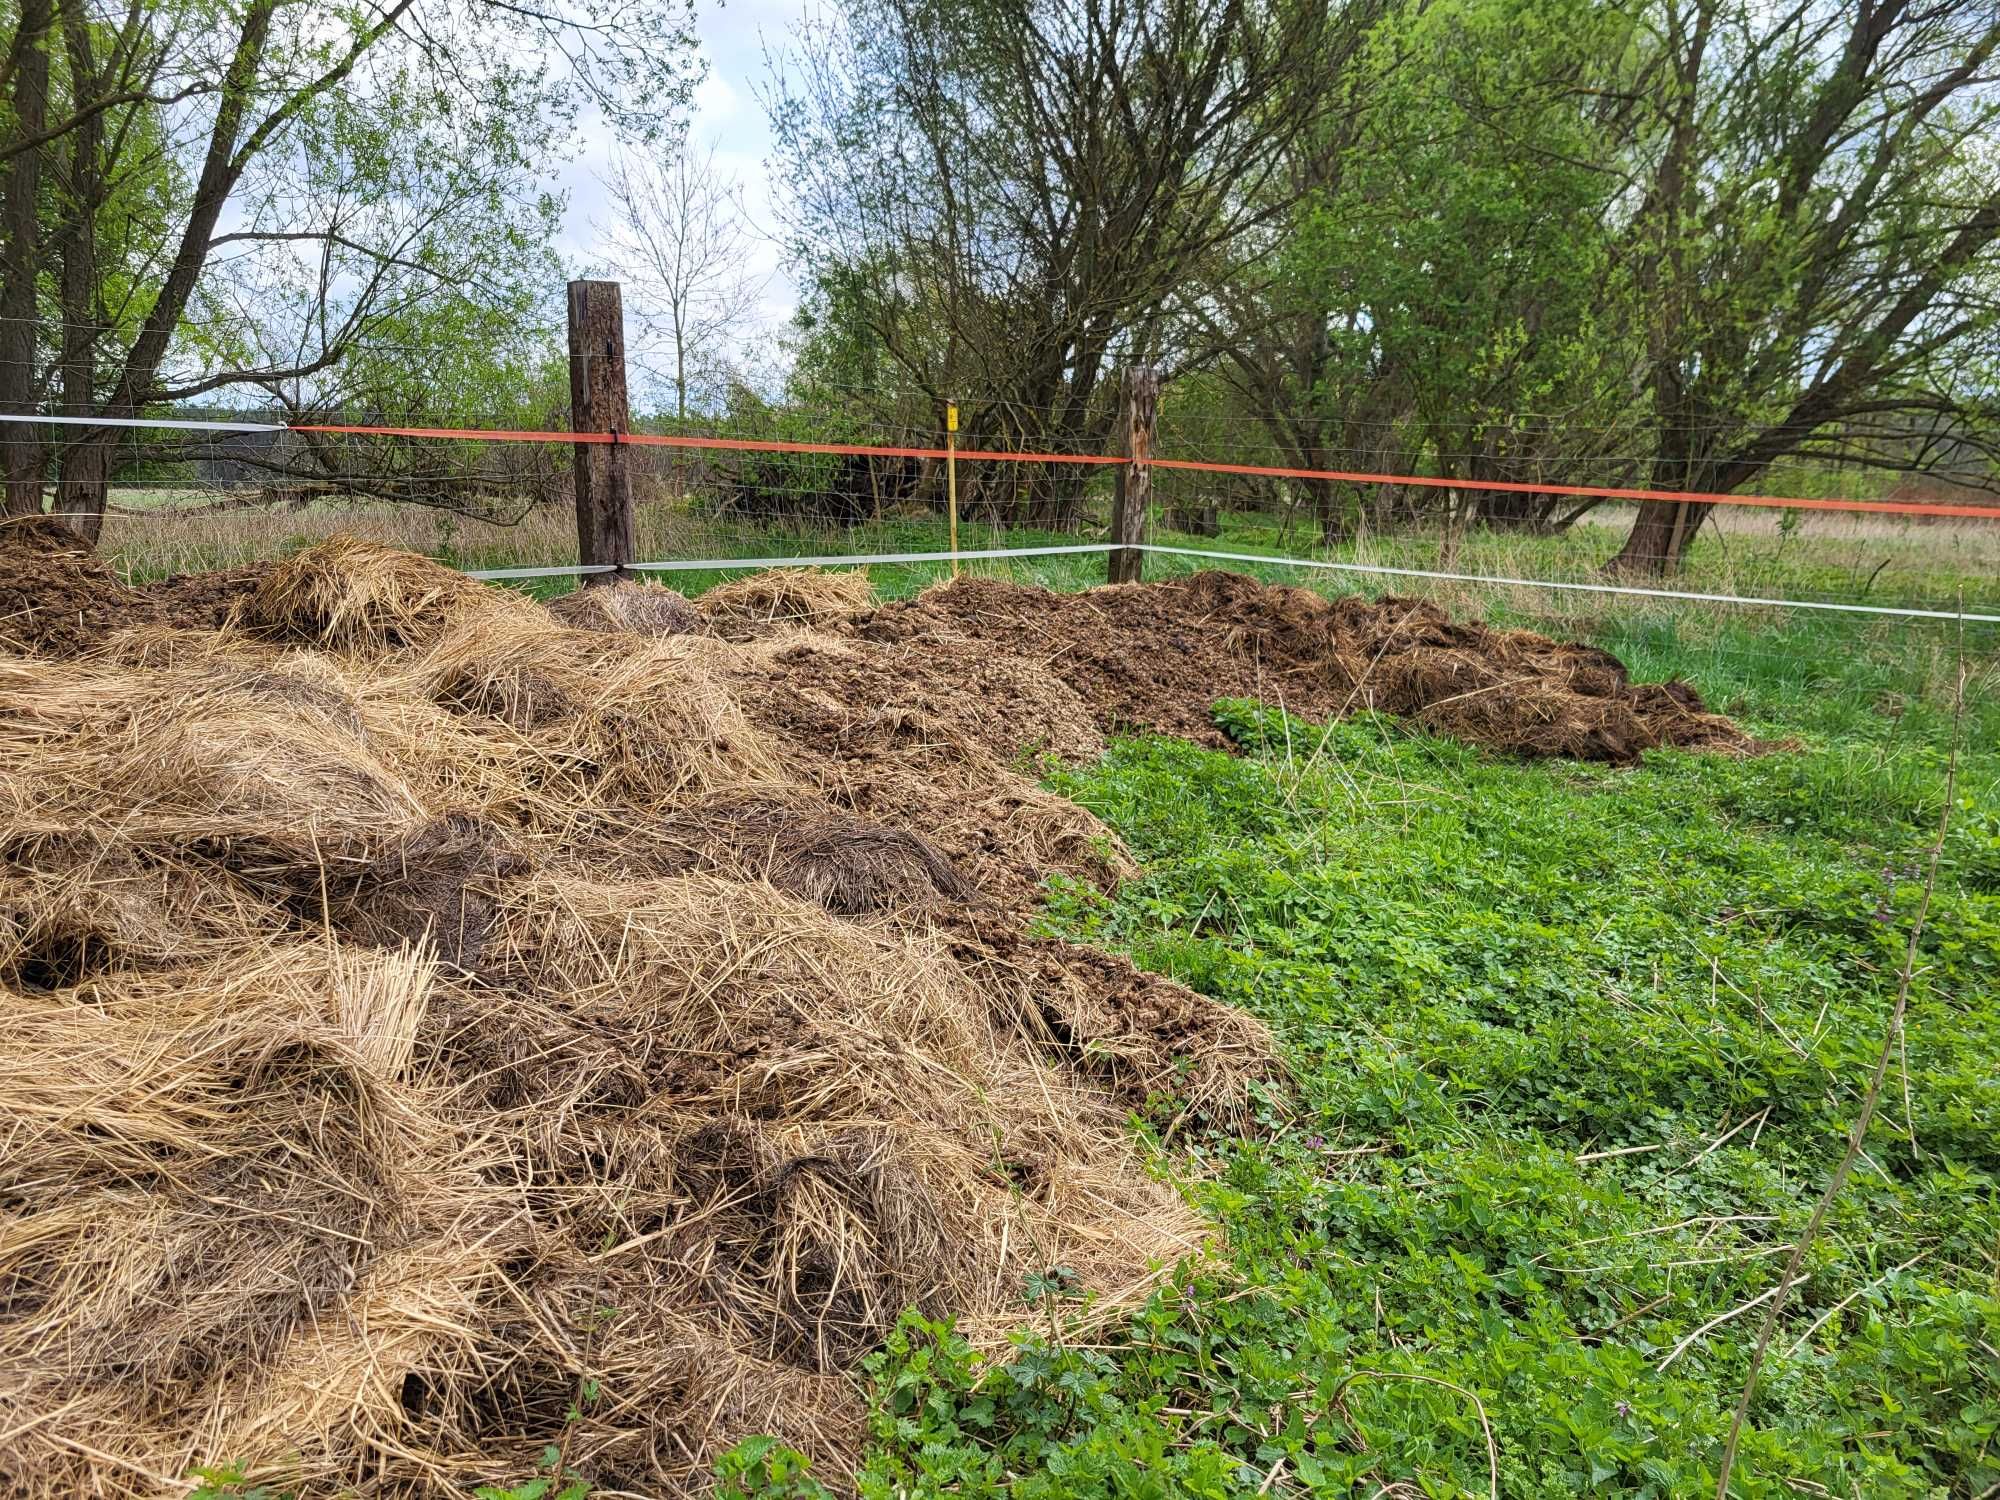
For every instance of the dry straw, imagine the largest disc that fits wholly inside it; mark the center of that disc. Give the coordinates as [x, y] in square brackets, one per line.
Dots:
[805, 597]
[641, 608]
[429, 1012]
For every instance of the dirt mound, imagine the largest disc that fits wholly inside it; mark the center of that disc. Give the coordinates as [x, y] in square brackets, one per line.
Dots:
[1154, 657]
[934, 737]
[848, 865]
[433, 1014]
[56, 598]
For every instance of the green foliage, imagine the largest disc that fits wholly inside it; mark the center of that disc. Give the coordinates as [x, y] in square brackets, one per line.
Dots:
[1576, 1049]
[766, 1469]
[1461, 261]
[231, 1482]
[551, 1481]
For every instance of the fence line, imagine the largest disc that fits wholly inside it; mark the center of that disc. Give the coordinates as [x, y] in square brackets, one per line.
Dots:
[856, 560]
[1205, 466]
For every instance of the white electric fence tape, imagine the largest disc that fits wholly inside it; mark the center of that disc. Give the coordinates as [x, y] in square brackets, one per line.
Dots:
[832, 560]
[187, 424]
[1902, 611]
[720, 564]
[865, 559]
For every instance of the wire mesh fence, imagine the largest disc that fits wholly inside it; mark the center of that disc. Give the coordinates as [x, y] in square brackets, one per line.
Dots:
[760, 480]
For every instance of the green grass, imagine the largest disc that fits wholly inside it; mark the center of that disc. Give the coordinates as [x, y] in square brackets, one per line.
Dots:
[1576, 1050]
[1827, 556]
[1880, 563]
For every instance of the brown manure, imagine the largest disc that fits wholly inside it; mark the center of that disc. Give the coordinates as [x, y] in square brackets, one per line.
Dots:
[1153, 1043]
[205, 601]
[56, 598]
[939, 738]
[1155, 657]
[848, 865]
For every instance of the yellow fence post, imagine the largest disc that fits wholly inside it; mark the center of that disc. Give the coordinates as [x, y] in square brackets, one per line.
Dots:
[951, 476]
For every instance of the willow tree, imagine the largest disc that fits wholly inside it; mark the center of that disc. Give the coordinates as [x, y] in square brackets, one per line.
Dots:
[1441, 296]
[1812, 244]
[1003, 196]
[236, 197]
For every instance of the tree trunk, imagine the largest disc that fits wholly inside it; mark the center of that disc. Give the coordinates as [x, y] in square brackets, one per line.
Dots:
[84, 486]
[87, 466]
[680, 364]
[84, 465]
[1511, 510]
[1659, 539]
[221, 168]
[1330, 517]
[20, 265]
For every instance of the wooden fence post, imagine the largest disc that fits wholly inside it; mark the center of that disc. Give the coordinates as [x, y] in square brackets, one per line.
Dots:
[1132, 497]
[597, 403]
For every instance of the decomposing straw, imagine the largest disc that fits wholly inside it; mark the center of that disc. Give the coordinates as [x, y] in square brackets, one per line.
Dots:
[428, 1010]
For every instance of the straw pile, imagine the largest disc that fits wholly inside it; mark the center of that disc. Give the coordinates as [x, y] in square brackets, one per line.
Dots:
[643, 609]
[752, 604]
[429, 1013]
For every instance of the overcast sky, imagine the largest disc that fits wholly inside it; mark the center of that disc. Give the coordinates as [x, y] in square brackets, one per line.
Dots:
[727, 114]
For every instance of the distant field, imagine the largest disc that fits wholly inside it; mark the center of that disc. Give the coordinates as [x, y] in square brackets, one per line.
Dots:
[1823, 556]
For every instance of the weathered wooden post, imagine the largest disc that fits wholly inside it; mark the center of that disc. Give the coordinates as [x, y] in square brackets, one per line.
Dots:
[597, 403]
[1132, 497]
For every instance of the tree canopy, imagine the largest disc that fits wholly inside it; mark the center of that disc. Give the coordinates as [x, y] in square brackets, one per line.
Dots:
[1647, 243]
[290, 204]
[1653, 242]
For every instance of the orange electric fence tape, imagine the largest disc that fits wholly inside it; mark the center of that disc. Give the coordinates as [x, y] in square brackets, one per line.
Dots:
[1190, 465]
[1594, 491]
[1199, 466]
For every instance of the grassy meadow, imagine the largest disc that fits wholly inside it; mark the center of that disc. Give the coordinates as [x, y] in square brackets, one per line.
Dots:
[1577, 1049]
[1790, 554]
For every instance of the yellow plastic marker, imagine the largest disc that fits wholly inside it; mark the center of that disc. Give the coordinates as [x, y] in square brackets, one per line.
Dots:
[951, 476]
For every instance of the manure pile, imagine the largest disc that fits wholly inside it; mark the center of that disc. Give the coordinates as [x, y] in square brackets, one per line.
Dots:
[424, 1003]
[420, 1005]
[1154, 657]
